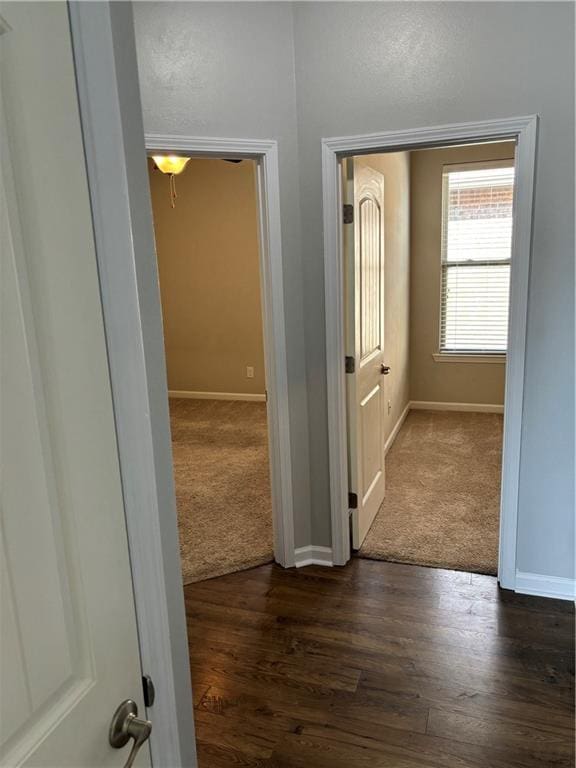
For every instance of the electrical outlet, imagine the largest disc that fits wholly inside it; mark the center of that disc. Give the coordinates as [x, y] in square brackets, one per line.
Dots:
[249, 372]
[389, 407]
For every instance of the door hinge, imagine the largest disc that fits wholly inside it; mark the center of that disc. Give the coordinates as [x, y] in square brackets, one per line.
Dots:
[349, 364]
[352, 501]
[348, 213]
[149, 690]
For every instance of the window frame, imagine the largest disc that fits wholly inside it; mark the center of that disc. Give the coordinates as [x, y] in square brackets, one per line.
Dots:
[466, 356]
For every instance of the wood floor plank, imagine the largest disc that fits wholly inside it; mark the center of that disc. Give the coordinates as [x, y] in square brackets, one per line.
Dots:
[459, 614]
[386, 636]
[424, 749]
[548, 744]
[233, 696]
[467, 697]
[378, 664]
[251, 739]
[216, 659]
[217, 756]
[304, 751]
[544, 678]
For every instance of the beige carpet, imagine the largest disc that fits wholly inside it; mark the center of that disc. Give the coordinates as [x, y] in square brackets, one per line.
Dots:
[222, 481]
[443, 493]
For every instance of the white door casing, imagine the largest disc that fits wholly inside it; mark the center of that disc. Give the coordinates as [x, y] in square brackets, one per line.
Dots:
[104, 49]
[265, 154]
[364, 255]
[524, 131]
[68, 637]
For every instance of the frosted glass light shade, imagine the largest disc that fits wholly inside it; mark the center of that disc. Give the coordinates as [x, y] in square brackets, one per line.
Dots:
[170, 163]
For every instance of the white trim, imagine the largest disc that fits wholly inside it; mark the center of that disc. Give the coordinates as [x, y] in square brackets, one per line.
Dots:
[312, 555]
[430, 405]
[456, 357]
[397, 427]
[479, 164]
[335, 348]
[111, 116]
[515, 361]
[265, 152]
[203, 146]
[186, 394]
[545, 586]
[524, 130]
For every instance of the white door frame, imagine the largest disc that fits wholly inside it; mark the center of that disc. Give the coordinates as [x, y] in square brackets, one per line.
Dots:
[111, 116]
[524, 130]
[265, 153]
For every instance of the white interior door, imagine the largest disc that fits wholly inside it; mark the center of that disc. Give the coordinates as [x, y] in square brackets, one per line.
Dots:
[363, 189]
[68, 641]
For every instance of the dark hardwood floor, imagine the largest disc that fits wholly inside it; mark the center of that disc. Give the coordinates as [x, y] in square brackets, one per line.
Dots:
[379, 664]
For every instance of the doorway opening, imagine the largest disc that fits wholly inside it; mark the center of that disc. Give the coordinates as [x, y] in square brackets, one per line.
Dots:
[427, 243]
[427, 247]
[206, 229]
[219, 259]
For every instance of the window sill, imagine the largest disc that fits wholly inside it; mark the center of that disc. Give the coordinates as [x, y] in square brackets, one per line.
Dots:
[454, 357]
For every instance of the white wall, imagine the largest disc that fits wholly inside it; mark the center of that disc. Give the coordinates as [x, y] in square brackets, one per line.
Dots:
[364, 67]
[228, 70]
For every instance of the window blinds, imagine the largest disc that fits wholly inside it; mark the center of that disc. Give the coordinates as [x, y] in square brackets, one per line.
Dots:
[476, 248]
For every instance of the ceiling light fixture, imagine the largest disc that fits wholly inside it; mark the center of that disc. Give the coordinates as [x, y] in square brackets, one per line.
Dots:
[173, 165]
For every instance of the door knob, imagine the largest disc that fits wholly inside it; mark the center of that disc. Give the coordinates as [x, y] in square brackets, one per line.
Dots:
[125, 725]
[384, 369]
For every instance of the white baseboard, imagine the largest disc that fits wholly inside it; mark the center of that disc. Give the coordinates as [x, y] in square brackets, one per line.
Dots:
[183, 393]
[312, 555]
[397, 427]
[430, 405]
[545, 586]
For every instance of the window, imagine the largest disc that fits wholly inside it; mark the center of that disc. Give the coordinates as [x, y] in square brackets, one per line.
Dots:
[476, 248]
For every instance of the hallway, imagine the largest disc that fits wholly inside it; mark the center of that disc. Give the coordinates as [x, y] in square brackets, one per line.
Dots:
[378, 664]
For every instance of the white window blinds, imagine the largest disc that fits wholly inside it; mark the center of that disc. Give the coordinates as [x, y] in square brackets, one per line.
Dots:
[476, 247]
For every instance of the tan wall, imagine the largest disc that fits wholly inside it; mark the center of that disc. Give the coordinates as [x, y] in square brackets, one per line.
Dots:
[396, 169]
[430, 380]
[209, 276]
